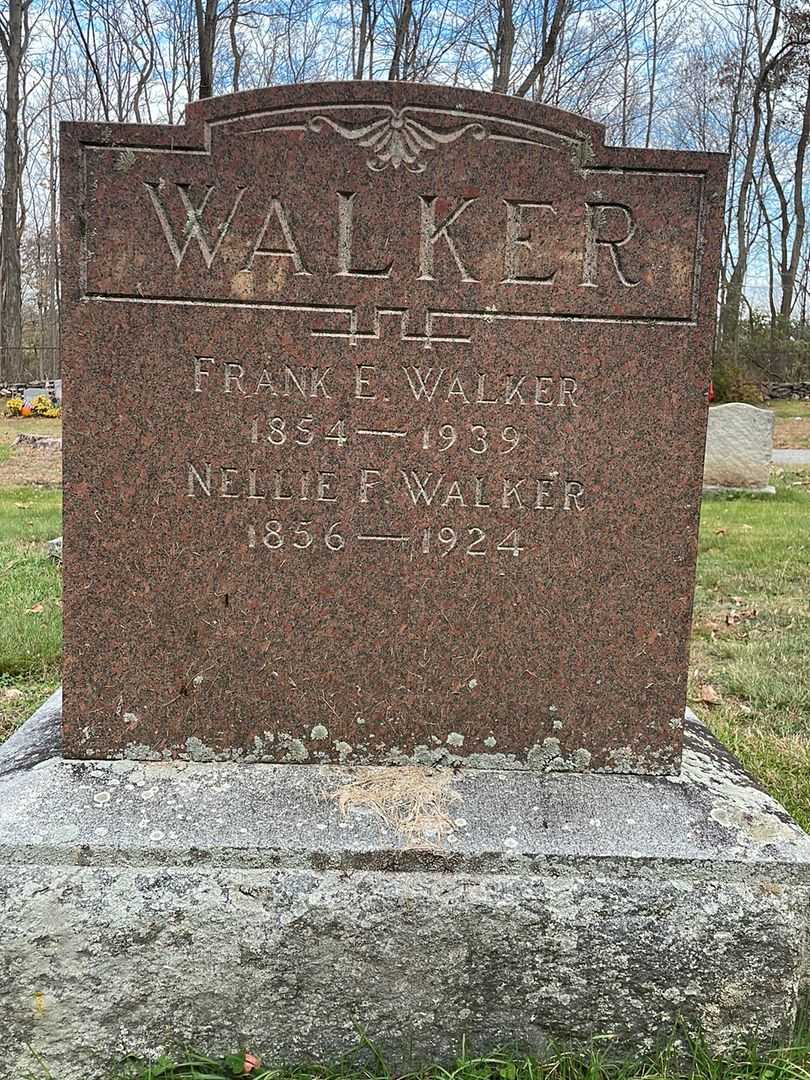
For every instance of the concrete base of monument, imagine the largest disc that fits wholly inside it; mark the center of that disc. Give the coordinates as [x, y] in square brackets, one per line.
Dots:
[153, 905]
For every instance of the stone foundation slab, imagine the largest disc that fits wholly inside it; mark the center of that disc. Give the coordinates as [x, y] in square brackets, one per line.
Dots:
[148, 905]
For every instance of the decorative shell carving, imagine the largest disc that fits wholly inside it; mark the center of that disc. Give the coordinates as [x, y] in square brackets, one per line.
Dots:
[397, 139]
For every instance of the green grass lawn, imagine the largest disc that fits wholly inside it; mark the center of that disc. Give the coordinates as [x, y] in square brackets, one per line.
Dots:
[751, 637]
[30, 602]
[20, 467]
[784, 1064]
[792, 424]
[12, 426]
[790, 409]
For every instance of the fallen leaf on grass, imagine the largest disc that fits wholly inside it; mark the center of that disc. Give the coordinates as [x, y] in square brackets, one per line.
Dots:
[37, 609]
[11, 693]
[720, 532]
[738, 616]
[747, 528]
[22, 506]
[708, 695]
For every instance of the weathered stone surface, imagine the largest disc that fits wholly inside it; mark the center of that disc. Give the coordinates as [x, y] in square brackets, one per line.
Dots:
[38, 739]
[55, 549]
[342, 296]
[739, 447]
[144, 905]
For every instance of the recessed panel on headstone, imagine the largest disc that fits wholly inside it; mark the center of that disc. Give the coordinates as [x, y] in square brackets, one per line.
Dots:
[384, 422]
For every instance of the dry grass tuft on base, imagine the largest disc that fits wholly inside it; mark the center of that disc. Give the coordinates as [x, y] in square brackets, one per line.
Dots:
[413, 800]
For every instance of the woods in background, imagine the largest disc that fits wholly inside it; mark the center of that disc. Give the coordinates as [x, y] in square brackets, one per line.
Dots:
[719, 75]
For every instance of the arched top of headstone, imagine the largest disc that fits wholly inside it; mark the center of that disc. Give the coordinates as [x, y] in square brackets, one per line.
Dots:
[401, 124]
[743, 408]
[417, 116]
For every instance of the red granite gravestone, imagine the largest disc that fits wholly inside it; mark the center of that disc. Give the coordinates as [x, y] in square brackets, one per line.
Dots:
[385, 409]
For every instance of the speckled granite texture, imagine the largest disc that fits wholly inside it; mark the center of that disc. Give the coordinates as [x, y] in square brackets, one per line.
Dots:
[144, 905]
[384, 420]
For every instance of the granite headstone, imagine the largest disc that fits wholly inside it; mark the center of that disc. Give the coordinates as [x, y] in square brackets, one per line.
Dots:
[385, 409]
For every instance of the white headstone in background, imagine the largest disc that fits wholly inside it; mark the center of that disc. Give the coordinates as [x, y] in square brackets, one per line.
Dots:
[32, 392]
[739, 448]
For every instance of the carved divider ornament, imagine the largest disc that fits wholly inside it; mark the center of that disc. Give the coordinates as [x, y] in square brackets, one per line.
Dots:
[397, 139]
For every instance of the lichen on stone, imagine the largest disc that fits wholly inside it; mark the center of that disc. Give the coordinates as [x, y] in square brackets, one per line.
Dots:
[344, 749]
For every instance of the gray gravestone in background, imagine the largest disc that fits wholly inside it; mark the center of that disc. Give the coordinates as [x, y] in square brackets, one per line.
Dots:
[33, 392]
[739, 448]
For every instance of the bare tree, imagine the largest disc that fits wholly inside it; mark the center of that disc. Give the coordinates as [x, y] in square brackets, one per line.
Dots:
[791, 206]
[14, 38]
[402, 26]
[771, 55]
[363, 29]
[554, 13]
[503, 48]
[207, 16]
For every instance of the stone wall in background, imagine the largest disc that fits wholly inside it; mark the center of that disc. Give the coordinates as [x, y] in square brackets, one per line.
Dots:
[789, 391]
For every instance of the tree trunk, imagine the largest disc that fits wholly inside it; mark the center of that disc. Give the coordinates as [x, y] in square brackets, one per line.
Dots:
[206, 37]
[790, 270]
[549, 45]
[363, 35]
[236, 52]
[730, 314]
[13, 39]
[504, 48]
[653, 72]
[400, 35]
